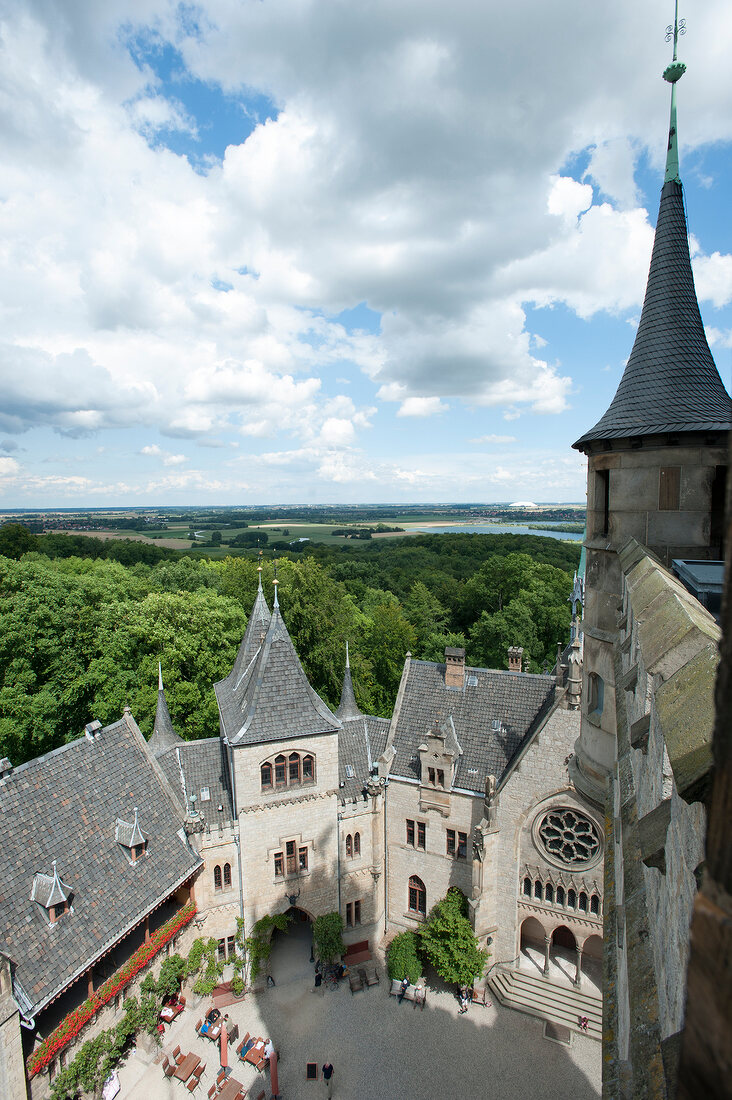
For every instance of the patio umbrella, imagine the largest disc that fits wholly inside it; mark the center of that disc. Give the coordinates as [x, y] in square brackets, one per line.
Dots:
[224, 1046]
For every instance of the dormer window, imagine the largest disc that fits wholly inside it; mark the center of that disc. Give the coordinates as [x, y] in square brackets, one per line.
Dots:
[131, 839]
[52, 894]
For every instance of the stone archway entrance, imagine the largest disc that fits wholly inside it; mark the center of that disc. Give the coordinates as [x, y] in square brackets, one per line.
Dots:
[532, 945]
[564, 953]
[592, 962]
[289, 960]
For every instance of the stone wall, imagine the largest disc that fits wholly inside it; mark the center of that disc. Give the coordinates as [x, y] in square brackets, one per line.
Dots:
[666, 658]
[437, 871]
[538, 781]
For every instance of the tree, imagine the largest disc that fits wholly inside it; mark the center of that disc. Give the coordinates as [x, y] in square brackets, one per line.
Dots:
[447, 941]
[426, 614]
[327, 936]
[16, 540]
[387, 641]
[402, 958]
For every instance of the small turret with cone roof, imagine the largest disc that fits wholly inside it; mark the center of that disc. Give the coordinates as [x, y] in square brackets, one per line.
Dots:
[163, 735]
[347, 708]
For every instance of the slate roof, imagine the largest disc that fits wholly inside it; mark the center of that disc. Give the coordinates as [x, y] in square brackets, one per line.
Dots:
[271, 699]
[360, 743]
[256, 630]
[670, 383]
[347, 708]
[192, 767]
[517, 700]
[64, 806]
[163, 734]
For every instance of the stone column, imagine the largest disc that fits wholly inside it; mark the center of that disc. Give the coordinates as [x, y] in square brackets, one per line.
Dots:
[578, 974]
[547, 945]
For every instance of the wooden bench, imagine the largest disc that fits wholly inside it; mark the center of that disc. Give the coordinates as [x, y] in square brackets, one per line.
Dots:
[410, 994]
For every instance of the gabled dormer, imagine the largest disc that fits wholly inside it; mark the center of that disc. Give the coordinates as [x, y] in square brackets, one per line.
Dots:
[438, 759]
[53, 895]
[131, 839]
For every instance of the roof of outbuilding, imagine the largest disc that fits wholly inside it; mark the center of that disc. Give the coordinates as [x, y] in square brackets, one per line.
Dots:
[196, 767]
[516, 700]
[271, 700]
[670, 383]
[65, 806]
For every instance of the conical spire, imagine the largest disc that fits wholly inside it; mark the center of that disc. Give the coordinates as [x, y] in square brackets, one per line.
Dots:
[347, 708]
[256, 631]
[163, 735]
[672, 74]
[670, 384]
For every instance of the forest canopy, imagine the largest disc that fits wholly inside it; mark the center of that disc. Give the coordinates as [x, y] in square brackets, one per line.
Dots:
[82, 636]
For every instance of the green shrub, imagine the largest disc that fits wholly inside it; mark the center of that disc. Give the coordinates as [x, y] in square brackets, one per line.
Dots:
[403, 958]
[327, 936]
[448, 942]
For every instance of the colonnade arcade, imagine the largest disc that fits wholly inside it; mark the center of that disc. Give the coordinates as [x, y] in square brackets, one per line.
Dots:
[540, 931]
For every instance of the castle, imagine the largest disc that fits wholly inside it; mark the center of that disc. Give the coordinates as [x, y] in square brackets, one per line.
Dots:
[569, 809]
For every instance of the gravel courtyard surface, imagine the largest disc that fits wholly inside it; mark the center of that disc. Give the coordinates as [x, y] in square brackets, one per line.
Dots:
[378, 1048]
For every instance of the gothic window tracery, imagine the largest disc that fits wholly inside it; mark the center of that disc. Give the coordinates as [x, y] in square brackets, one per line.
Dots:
[568, 837]
[293, 770]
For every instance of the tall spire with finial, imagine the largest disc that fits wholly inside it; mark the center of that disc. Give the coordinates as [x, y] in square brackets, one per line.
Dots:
[275, 582]
[348, 708]
[259, 571]
[670, 384]
[672, 74]
[163, 735]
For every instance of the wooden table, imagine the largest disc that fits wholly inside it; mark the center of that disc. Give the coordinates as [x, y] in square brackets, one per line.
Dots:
[230, 1090]
[255, 1053]
[187, 1066]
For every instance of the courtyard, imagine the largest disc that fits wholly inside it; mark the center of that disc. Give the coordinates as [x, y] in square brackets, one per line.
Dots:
[378, 1047]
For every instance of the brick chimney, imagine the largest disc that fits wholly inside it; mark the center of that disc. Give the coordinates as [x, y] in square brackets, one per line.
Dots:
[454, 667]
[515, 657]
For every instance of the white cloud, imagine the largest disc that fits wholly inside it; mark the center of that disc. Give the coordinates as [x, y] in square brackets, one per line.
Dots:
[409, 167]
[421, 406]
[166, 457]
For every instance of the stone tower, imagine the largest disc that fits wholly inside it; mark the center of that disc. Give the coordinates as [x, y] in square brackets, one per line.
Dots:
[657, 459]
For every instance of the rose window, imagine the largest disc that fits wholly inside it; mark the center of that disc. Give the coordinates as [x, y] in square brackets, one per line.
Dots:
[569, 837]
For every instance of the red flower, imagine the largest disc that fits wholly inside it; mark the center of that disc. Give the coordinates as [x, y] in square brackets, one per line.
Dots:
[70, 1027]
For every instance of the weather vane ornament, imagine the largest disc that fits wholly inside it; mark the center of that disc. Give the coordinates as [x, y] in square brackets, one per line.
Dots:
[672, 74]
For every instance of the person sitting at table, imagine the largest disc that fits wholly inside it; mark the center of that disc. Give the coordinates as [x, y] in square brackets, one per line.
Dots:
[212, 1016]
[268, 1048]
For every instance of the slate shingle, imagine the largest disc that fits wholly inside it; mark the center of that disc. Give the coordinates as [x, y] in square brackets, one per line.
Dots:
[65, 806]
[194, 766]
[271, 699]
[670, 383]
[515, 699]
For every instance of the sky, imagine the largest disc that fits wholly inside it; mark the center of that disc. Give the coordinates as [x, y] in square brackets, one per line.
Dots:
[311, 251]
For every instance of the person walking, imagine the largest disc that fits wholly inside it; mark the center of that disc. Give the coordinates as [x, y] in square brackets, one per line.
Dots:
[328, 1078]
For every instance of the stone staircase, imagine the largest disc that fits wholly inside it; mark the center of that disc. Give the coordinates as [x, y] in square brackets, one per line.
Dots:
[537, 996]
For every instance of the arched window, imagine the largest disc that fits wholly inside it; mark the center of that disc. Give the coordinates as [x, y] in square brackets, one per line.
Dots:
[266, 771]
[527, 887]
[349, 846]
[308, 769]
[227, 874]
[537, 890]
[280, 771]
[217, 877]
[571, 899]
[357, 844]
[595, 905]
[294, 767]
[417, 896]
[549, 893]
[583, 902]
[560, 895]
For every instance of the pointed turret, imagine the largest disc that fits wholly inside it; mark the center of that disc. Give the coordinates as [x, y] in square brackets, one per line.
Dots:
[347, 708]
[271, 698]
[256, 631]
[163, 735]
[670, 384]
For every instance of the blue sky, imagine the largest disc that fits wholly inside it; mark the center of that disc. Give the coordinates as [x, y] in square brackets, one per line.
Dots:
[264, 252]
